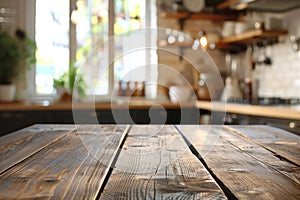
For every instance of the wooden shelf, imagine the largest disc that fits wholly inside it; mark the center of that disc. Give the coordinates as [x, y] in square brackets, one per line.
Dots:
[176, 44]
[200, 16]
[252, 36]
[190, 44]
[213, 17]
[182, 15]
[233, 43]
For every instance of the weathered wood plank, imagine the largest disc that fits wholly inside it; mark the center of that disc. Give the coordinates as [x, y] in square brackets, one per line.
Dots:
[19, 145]
[73, 167]
[281, 142]
[272, 160]
[247, 176]
[155, 163]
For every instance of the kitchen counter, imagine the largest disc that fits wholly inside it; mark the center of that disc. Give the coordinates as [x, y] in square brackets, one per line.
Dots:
[149, 162]
[274, 111]
[14, 116]
[284, 112]
[134, 104]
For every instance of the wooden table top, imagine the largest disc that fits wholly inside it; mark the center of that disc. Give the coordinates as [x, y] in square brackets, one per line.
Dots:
[149, 162]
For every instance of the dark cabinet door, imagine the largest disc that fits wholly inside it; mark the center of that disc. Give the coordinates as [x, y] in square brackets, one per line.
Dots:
[14, 120]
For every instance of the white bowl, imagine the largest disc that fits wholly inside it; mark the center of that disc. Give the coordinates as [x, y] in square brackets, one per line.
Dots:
[180, 94]
[228, 29]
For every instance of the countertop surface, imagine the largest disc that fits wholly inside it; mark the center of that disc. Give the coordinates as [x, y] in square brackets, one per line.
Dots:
[149, 162]
[275, 111]
[133, 104]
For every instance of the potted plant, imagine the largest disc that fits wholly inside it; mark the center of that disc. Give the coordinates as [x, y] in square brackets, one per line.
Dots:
[16, 53]
[65, 84]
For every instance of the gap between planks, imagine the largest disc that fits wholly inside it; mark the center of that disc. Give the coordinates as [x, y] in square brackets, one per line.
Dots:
[277, 137]
[265, 155]
[196, 153]
[146, 168]
[64, 169]
[244, 175]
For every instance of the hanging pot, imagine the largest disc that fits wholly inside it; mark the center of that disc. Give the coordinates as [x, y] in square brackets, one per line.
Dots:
[7, 92]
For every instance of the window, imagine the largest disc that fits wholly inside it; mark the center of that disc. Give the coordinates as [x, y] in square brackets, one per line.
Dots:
[94, 25]
[53, 43]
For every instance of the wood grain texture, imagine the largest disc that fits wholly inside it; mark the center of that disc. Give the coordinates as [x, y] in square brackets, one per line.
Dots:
[73, 167]
[155, 163]
[232, 160]
[68, 162]
[264, 155]
[281, 142]
[20, 145]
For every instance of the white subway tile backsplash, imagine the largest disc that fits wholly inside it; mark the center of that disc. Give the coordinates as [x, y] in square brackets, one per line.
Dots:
[282, 79]
[297, 82]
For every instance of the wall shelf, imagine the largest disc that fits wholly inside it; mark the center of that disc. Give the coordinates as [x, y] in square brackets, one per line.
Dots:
[252, 36]
[200, 16]
[170, 15]
[219, 45]
[236, 42]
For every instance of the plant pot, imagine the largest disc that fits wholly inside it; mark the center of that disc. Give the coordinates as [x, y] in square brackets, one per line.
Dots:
[60, 91]
[7, 92]
[63, 94]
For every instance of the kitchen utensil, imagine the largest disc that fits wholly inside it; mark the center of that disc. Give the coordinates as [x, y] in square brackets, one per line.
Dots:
[232, 89]
[265, 58]
[194, 6]
[295, 42]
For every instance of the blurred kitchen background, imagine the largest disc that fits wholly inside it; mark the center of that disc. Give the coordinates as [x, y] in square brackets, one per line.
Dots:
[254, 46]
